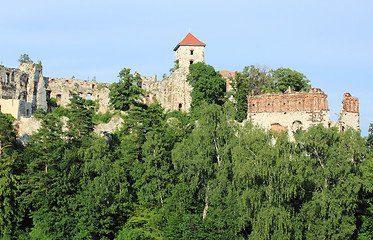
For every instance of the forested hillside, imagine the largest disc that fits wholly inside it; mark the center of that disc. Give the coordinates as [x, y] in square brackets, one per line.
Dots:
[174, 175]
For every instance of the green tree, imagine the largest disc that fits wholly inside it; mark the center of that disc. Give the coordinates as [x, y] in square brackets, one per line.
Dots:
[370, 138]
[11, 212]
[103, 203]
[331, 170]
[365, 211]
[25, 58]
[199, 158]
[208, 85]
[284, 78]
[51, 180]
[252, 80]
[126, 92]
[80, 116]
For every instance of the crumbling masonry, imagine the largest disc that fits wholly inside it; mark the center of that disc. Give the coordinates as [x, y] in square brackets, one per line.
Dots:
[25, 89]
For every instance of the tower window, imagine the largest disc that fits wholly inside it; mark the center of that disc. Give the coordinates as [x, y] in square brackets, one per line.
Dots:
[191, 61]
[191, 52]
[180, 106]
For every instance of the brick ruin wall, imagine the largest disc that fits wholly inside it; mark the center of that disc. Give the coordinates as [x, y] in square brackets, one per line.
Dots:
[300, 110]
[349, 116]
[227, 75]
[291, 110]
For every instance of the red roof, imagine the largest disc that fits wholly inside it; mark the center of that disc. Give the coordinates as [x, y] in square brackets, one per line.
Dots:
[190, 40]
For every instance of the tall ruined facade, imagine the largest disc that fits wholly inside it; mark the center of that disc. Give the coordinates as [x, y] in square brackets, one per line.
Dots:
[22, 90]
[173, 92]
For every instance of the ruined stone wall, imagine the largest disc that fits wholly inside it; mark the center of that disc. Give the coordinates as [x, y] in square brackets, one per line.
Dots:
[227, 75]
[349, 116]
[25, 87]
[173, 92]
[290, 120]
[292, 110]
[17, 108]
[35, 91]
[62, 88]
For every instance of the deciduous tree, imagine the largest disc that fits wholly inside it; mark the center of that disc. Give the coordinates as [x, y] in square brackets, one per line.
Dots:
[208, 85]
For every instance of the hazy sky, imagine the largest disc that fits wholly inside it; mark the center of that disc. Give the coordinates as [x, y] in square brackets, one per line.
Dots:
[329, 41]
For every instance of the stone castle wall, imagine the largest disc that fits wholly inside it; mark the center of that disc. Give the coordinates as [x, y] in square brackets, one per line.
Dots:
[62, 88]
[291, 110]
[22, 90]
[173, 92]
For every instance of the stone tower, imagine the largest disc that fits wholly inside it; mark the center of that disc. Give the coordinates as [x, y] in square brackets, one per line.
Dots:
[188, 51]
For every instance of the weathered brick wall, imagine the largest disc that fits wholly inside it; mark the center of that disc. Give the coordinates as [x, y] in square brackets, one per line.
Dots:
[227, 75]
[350, 104]
[290, 101]
[349, 116]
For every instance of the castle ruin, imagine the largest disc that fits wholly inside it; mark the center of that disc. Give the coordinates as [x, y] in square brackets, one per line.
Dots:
[25, 89]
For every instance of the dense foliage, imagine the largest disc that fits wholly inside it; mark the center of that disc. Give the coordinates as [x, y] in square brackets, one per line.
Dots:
[126, 91]
[254, 80]
[208, 85]
[168, 176]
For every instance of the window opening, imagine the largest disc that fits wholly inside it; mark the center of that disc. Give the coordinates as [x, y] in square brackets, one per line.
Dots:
[89, 96]
[180, 106]
[7, 78]
[191, 52]
[191, 61]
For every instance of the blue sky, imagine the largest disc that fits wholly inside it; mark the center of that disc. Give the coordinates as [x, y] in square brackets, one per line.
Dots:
[329, 41]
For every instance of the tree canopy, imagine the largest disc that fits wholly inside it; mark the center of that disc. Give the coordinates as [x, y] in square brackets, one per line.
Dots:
[208, 85]
[284, 78]
[25, 58]
[167, 175]
[126, 91]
